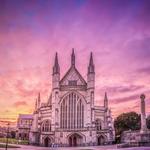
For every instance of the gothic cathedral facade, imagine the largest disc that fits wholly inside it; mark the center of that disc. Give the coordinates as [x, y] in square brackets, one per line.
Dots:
[70, 118]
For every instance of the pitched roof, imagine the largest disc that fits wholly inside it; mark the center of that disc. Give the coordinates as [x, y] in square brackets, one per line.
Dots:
[25, 116]
[73, 68]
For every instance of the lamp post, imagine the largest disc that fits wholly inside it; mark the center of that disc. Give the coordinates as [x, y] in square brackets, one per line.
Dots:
[7, 136]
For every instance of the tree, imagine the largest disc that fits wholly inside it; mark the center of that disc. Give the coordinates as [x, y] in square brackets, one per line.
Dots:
[126, 121]
[148, 122]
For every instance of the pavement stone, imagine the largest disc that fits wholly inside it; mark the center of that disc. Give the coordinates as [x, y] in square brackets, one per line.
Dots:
[110, 147]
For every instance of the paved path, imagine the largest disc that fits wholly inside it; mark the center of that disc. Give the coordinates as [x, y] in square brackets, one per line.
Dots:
[111, 147]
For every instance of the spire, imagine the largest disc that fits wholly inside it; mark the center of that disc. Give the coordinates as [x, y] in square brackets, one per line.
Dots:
[73, 58]
[105, 101]
[50, 100]
[110, 112]
[91, 59]
[39, 100]
[56, 68]
[35, 104]
[91, 68]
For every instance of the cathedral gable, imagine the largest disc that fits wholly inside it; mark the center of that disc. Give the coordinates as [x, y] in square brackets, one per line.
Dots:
[72, 78]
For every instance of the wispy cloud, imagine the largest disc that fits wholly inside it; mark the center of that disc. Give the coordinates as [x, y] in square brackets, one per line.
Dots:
[145, 70]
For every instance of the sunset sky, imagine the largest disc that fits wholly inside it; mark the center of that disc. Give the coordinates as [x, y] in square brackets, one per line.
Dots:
[116, 31]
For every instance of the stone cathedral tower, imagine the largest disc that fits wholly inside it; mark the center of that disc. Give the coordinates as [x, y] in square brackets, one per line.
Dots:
[70, 117]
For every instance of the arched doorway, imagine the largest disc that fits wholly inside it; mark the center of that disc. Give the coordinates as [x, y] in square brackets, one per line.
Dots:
[47, 142]
[75, 140]
[100, 140]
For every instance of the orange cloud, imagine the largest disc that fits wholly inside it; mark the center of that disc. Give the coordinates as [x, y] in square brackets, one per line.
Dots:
[20, 103]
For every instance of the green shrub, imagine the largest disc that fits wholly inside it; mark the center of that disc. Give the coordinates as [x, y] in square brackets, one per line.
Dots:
[14, 141]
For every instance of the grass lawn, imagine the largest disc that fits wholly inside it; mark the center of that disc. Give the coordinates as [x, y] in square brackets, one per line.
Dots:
[14, 141]
[9, 146]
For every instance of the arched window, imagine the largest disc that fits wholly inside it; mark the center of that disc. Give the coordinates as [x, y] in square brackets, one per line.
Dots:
[72, 112]
[98, 124]
[46, 126]
[19, 135]
[92, 98]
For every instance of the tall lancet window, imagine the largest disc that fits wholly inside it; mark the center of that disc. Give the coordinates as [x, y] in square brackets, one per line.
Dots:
[92, 98]
[72, 112]
[46, 126]
[80, 114]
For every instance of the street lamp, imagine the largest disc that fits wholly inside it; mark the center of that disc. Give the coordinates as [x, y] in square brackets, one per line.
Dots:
[7, 136]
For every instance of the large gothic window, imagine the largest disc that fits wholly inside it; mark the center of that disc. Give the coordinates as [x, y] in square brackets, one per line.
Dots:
[46, 126]
[72, 112]
[98, 124]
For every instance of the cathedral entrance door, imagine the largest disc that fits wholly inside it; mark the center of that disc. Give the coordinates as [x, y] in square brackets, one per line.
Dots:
[70, 141]
[100, 140]
[46, 142]
[75, 140]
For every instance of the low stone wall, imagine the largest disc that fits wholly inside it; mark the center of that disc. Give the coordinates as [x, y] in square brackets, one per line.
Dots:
[133, 144]
[123, 145]
[135, 138]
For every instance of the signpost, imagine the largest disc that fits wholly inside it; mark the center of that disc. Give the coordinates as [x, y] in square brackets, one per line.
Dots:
[7, 136]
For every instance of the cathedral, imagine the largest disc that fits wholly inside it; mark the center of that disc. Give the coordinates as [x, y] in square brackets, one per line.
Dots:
[69, 117]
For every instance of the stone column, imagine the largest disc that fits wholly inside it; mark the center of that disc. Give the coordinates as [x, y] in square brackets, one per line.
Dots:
[143, 115]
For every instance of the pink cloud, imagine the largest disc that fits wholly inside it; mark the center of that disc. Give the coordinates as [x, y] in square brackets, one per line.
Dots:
[118, 34]
[20, 103]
